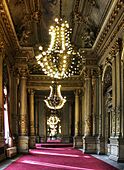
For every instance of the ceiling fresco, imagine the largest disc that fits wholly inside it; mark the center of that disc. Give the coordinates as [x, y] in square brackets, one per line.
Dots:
[32, 19]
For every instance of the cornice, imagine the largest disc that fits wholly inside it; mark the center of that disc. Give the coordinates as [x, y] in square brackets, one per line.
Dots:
[112, 26]
[43, 82]
[49, 79]
[10, 38]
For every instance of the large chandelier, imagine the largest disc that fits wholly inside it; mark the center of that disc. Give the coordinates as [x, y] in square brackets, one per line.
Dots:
[55, 100]
[60, 60]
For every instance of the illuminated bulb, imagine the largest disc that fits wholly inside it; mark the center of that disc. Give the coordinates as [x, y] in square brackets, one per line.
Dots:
[40, 48]
[44, 53]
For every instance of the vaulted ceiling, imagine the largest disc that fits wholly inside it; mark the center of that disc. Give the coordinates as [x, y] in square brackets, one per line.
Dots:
[33, 18]
[94, 23]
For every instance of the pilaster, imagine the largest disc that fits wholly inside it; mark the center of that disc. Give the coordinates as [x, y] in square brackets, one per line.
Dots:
[89, 141]
[37, 120]
[32, 137]
[100, 138]
[116, 139]
[23, 138]
[77, 138]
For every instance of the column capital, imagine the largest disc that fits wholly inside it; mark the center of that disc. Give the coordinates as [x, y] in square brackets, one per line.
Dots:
[117, 47]
[23, 72]
[87, 73]
[31, 91]
[77, 92]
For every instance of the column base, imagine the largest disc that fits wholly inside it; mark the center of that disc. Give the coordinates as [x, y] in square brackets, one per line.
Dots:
[23, 142]
[117, 149]
[37, 139]
[66, 139]
[42, 139]
[89, 144]
[100, 145]
[10, 152]
[78, 142]
[32, 141]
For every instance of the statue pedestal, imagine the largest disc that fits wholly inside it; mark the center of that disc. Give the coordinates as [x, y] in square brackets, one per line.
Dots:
[78, 142]
[117, 149]
[23, 142]
[89, 144]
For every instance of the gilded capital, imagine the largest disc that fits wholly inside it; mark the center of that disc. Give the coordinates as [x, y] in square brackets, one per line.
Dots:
[77, 92]
[87, 73]
[31, 91]
[23, 72]
[100, 70]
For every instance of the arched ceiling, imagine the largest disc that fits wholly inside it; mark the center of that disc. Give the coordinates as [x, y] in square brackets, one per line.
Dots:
[24, 25]
[33, 18]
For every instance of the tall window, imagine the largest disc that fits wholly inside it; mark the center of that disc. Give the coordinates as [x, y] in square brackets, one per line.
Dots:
[6, 120]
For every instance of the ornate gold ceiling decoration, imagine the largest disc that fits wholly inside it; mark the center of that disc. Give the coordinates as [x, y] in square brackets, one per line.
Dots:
[117, 13]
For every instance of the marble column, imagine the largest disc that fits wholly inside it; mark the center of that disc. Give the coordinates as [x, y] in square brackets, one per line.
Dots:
[37, 120]
[101, 138]
[114, 93]
[32, 137]
[122, 88]
[94, 103]
[23, 139]
[76, 112]
[88, 102]
[2, 155]
[89, 141]
[77, 138]
[70, 120]
[116, 140]
[83, 113]
[118, 102]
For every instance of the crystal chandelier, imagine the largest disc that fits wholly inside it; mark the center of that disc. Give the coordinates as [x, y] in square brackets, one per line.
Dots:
[60, 60]
[55, 100]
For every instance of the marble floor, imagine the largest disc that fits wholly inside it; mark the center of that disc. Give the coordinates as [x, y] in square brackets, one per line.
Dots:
[104, 158]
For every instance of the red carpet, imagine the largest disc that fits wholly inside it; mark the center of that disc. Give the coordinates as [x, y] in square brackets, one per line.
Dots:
[53, 145]
[58, 159]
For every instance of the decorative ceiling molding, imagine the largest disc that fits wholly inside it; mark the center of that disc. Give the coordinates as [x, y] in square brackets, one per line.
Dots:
[8, 28]
[112, 26]
[106, 38]
[43, 82]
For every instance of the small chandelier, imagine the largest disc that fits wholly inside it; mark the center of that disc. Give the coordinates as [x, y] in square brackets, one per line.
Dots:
[60, 60]
[55, 100]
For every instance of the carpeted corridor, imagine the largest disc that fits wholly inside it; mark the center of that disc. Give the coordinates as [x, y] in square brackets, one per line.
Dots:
[58, 159]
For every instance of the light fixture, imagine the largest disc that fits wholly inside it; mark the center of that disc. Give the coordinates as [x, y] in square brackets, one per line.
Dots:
[55, 100]
[60, 60]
